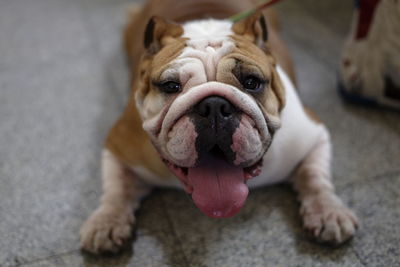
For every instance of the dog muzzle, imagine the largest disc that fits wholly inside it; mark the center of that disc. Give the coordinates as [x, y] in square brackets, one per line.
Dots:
[213, 138]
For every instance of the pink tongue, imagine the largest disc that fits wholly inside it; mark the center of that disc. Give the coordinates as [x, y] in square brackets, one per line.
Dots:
[218, 188]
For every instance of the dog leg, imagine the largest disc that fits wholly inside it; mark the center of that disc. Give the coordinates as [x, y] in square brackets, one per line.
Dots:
[110, 225]
[324, 215]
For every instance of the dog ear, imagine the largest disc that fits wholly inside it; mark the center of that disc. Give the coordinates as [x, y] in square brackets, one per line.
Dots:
[253, 27]
[160, 32]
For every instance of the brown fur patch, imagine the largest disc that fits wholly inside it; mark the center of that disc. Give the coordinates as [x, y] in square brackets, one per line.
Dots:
[151, 66]
[252, 28]
[263, 59]
[159, 33]
[312, 115]
[127, 140]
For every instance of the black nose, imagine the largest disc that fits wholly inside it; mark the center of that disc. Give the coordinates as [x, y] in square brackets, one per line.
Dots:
[214, 107]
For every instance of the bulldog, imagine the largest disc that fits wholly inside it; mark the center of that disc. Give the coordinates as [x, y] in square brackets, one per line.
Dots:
[213, 110]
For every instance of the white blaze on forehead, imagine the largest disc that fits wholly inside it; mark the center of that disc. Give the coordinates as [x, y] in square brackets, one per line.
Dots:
[207, 30]
[208, 41]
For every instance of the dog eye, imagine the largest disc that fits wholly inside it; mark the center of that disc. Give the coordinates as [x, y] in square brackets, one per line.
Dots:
[252, 84]
[170, 87]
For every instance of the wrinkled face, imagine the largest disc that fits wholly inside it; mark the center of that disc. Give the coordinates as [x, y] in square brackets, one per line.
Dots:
[210, 98]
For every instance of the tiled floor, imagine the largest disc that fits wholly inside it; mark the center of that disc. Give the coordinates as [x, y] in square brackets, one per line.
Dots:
[63, 81]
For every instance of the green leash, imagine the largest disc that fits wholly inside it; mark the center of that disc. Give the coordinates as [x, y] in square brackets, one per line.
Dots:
[263, 4]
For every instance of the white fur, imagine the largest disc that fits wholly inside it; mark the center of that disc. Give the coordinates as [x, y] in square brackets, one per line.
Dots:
[324, 215]
[292, 142]
[211, 30]
[208, 42]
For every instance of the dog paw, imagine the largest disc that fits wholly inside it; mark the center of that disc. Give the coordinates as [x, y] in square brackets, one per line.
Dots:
[106, 231]
[327, 220]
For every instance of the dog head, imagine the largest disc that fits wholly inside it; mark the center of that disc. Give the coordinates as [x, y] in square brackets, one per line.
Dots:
[210, 98]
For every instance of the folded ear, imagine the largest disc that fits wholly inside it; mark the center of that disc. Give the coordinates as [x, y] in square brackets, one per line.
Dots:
[253, 27]
[160, 32]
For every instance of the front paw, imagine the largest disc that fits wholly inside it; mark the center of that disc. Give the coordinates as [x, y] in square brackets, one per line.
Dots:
[106, 231]
[328, 220]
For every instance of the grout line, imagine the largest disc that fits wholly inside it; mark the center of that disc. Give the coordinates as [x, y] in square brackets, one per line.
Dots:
[48, 257]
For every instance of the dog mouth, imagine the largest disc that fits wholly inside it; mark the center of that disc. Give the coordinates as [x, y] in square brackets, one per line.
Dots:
[218, 188]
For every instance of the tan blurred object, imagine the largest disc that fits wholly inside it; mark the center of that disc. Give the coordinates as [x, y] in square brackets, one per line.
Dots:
[370, 66]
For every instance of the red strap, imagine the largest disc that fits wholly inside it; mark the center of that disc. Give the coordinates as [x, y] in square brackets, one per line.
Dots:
[366, 13]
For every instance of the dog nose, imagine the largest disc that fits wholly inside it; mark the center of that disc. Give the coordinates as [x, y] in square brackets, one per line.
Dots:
[214, 107]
